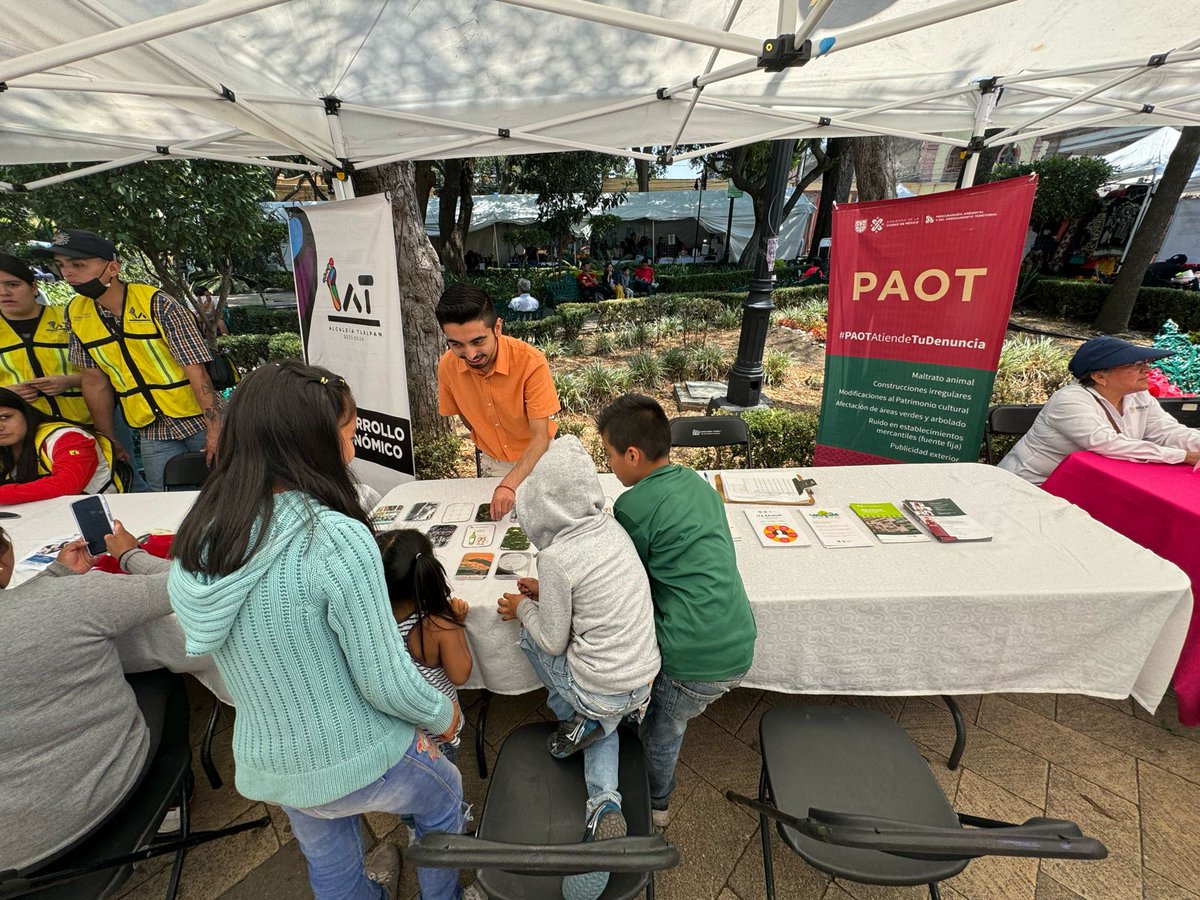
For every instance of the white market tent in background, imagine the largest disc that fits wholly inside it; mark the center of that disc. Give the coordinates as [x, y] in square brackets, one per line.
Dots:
[653, 214]
[117, 81]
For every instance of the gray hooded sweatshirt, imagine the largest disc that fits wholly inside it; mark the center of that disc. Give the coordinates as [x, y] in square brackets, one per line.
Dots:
[594, 597]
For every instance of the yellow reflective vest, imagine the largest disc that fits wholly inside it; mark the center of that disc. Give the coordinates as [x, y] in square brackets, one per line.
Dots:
[147, 379]
[118, 473]
[45, 353]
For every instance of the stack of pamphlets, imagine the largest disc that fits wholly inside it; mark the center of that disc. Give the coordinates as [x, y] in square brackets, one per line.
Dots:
[943, 519]
[887, 523]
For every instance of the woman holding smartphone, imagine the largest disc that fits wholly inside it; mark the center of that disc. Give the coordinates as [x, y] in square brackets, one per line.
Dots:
[43, 457]
[278, 576]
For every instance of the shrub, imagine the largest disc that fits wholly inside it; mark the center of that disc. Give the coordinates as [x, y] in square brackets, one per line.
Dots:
[543, 330]
[437, 455]
[709, 362]
[676, 364]
[572, 322]
[699, 315]
[791, 297]
[285, 346]
[261, 320]
[1081, 301]
[646, 369]
[246, 351]
[730, 317]
[571, 426]
[603, 344]
[1030, 370]
[780, 438]
[575, 347]
[809, 313]
[775, 366]
[571, 394]
[551, 348]
[729, 280]
[600, 382]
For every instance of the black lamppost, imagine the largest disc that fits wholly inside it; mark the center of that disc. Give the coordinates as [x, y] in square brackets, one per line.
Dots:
[746, 377]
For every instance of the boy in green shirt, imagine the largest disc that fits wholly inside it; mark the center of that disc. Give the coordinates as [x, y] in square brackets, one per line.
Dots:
[702, 617]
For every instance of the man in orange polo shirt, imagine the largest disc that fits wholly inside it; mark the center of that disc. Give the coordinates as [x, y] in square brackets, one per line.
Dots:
[499, 386]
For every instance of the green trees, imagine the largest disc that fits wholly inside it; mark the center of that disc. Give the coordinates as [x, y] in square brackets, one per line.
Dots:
[1066, 187]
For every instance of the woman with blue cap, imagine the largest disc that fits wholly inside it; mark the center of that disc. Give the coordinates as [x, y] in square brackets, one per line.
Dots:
[1107, 410]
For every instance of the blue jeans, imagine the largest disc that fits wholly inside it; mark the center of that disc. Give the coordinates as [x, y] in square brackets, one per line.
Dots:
[424, 784]
[156, 455]
[601, 760]
[124, 435]
[672, 704]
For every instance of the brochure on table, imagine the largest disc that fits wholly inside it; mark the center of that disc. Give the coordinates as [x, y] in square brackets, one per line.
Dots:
[946, 522]
[887, 523]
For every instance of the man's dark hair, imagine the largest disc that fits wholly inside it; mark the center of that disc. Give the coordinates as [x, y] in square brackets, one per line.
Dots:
[462, 303]
[634, 420]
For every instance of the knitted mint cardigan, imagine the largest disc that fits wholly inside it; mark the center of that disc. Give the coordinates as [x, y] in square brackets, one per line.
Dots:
[327, 696]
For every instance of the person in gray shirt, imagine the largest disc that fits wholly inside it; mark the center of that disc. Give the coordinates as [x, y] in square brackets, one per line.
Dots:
[73, 742]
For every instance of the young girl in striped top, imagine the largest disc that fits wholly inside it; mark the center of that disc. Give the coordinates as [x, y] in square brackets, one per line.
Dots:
[432, 623]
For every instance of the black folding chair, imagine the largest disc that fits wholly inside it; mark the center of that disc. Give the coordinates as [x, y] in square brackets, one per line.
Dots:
[1185, 409]
[711, 431]
[851, 795]
[185, 472]
[102, 860]
[1008, 419]
[532, 824]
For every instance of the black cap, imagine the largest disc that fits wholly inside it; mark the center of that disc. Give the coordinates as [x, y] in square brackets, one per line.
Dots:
[82, 245]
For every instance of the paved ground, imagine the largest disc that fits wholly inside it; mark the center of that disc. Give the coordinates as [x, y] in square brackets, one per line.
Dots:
[1129, 778]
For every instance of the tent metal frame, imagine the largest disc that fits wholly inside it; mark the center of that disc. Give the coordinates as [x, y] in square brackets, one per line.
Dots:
[330, 153]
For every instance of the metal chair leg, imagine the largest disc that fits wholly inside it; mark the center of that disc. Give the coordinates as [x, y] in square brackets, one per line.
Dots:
[480, 727]
[764, 829]
[206, 760]
[650, 887]
[185, 788]
[960, 732]
[935, 893]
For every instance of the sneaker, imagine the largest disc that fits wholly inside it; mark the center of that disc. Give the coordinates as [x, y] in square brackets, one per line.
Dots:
[573, 735]
[171, 823]
[660, 817]
[607, 822]
[383, 868]
[473, 892]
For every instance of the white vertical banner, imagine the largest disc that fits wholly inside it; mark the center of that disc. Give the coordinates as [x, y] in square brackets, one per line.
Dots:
[348, 295]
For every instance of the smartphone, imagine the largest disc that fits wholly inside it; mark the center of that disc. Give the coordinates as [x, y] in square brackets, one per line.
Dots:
[94, 521]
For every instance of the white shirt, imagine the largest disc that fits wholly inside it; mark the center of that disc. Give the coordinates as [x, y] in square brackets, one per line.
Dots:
[523, 303]
[1074, 419]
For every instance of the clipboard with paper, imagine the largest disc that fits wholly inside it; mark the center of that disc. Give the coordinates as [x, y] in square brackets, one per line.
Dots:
[764, 488]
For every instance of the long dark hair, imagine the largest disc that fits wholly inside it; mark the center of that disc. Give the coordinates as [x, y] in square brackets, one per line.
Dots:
[280, 432]
[22, 467]
[412, 572]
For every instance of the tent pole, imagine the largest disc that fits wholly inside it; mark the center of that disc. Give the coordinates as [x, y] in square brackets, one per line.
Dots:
[1074, 101]
[1179, 55]
[343, 187]
[728, 231]
[1054, 129]
[495, 246]
[130, 35]
[985, 105]
[746, 376]
[865, 34]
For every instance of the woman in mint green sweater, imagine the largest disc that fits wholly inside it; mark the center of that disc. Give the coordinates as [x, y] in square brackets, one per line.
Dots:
[277, 575]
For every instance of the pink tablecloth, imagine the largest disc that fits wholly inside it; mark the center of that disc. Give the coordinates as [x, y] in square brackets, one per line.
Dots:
[1157, 506]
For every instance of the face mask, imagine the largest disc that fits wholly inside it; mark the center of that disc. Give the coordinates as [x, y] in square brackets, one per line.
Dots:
[94, 289]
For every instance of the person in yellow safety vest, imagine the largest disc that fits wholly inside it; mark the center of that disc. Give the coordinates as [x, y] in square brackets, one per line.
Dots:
[42, 457]
[33, 347]
[137, 342]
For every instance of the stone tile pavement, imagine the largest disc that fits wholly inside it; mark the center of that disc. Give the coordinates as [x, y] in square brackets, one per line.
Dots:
[1129, 778]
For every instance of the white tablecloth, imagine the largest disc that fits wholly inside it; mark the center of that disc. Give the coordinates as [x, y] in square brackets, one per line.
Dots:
[1054, 603]
[156, 644]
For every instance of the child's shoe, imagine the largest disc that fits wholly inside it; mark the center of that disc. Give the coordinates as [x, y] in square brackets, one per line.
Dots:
[573, 735]
[607, 822]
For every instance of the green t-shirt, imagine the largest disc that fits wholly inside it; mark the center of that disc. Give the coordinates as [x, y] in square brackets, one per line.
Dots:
[701, 613]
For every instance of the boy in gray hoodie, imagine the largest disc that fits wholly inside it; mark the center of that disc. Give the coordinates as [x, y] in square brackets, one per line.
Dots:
[588, 621]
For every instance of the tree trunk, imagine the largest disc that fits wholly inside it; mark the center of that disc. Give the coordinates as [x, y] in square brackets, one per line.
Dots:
[749, 256]
[872, 168]
[1118, 306]
[454, 212]
[420, 286]
[835, 187]
[426, 182]
[642, 168]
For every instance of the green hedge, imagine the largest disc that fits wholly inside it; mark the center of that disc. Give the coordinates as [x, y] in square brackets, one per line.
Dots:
[248, 320]
[780, 438]
[1081, 301]
[247, 351]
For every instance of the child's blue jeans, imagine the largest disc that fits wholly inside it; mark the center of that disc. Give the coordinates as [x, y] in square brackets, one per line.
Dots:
[423, 784]
[601, 759]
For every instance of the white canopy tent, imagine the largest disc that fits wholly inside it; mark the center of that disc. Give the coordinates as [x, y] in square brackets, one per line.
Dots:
[668, 211]
[344, 83]
[1145, 159]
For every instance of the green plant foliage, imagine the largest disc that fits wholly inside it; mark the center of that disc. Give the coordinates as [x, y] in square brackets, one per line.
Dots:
[572, 321]
[261, 320]
[709, 362]
[1081, 300]
[776, 364]
[676, 364]
[551, 348]
[1030, 370]
[728, 280]
[809, 313]
[576, 427]
[791, 297]
[284, 346]
[730, 317]
[601, 383]
[246, 351]
[572, 395]
[603, 344]
[436, 455]
[1066, 186]
[646, 370]
[781, 438]
[575, 348]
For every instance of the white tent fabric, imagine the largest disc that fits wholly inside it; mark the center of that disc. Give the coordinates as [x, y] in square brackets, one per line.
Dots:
[1145, 159]
[492, 212]
[115, 81]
